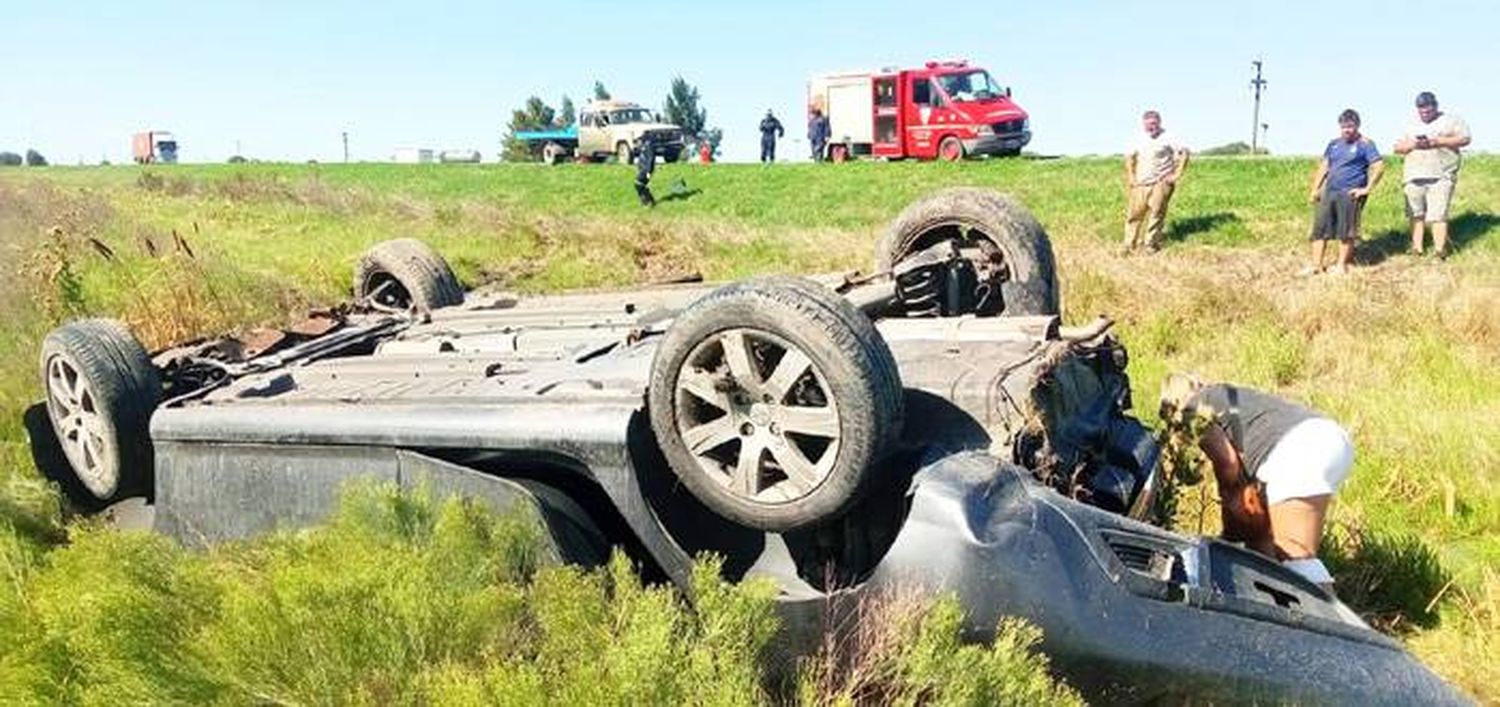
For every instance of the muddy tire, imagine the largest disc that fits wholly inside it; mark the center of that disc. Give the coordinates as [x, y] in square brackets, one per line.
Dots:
[971, 215]
[405, 274]
[101, 390]
[773, 400]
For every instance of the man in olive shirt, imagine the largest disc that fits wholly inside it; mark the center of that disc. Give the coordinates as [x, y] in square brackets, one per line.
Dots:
[1431, 146]
[1278, 465]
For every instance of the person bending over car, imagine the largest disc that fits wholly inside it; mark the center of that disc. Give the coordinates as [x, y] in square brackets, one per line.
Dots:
[1278, 466]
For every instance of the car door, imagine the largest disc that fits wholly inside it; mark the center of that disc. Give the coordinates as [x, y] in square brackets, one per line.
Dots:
[923, 100]
[590, 134]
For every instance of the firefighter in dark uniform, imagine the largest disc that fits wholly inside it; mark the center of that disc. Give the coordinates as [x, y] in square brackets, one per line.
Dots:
[770, 129]
[818, 133]
[645, 164]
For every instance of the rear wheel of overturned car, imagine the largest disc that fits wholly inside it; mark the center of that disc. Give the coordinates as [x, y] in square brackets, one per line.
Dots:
[773, 401]
[1005, 243]
[405, 274]
[101, 390]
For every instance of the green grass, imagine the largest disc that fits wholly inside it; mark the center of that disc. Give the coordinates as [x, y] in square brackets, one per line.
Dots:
[405, 599]
[1404, 352]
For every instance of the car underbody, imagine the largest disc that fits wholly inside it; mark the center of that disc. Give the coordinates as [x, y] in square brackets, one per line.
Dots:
[1015, 477]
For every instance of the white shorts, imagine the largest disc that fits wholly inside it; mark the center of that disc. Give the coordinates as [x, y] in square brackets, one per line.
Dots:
[1312, 459]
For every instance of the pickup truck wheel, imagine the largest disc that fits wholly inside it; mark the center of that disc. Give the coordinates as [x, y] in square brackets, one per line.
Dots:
[996, 227]
[773, 400]
[622, 152]
[101, 390]
[950, 149]
[405, 274]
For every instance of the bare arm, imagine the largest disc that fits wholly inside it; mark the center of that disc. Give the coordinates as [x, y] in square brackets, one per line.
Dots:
[1454, 141]
[1181, 158]
[1221, 453]
[1320, 175]
[1130, 169]
[1404, 146]
[1377, 170]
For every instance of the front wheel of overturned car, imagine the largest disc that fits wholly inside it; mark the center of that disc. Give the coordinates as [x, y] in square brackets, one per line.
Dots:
[1008, 252]
[773, 401]
[405, 274]
[101, 390]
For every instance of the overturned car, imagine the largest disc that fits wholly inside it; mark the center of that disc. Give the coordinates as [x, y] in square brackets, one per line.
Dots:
[932, 425]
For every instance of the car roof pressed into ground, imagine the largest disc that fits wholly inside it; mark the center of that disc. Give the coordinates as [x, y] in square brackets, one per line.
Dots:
[929, 426]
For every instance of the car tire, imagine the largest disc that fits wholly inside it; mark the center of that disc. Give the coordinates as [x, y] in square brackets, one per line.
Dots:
[799, 443]
[971, 215]
[405, 274]
[101, 390]
[839, 154]
[623, 152]
[951, 149]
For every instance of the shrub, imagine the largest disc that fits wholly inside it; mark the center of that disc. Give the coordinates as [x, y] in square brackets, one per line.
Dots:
[10, 159]
[403, 599]
[906, 649]
[35, 159]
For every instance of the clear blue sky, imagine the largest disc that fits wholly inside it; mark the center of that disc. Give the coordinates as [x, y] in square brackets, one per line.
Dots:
[285, 78]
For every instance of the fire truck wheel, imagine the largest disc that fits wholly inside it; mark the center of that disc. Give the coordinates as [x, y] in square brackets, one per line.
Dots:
[994, 230]
[839, 153]
[950, 149]
[773, 400]
[405, 274]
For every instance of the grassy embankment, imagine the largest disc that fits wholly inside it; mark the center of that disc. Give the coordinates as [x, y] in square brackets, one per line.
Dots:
[1404, 352]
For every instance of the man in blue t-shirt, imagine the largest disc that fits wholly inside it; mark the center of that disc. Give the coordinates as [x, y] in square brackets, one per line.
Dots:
[1350, 169]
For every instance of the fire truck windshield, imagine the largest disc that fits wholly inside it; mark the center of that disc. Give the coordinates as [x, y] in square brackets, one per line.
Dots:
[973, 85]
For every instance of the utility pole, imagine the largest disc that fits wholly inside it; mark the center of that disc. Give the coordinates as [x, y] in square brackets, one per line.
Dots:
[346, 145]
[1256, 83]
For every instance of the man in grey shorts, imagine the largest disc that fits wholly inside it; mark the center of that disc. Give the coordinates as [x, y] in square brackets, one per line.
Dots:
[1350, 169]
[1278, 465]
[1431, 146]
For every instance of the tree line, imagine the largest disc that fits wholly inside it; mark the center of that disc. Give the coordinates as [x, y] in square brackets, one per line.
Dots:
[681, 108]
[32, 159]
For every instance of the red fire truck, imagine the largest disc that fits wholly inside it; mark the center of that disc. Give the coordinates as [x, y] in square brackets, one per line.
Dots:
[942, 110]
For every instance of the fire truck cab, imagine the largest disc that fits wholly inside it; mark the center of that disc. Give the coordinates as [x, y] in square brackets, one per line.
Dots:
[943, 110]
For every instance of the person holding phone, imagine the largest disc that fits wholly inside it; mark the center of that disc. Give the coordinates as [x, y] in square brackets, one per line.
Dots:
[1431, 147]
